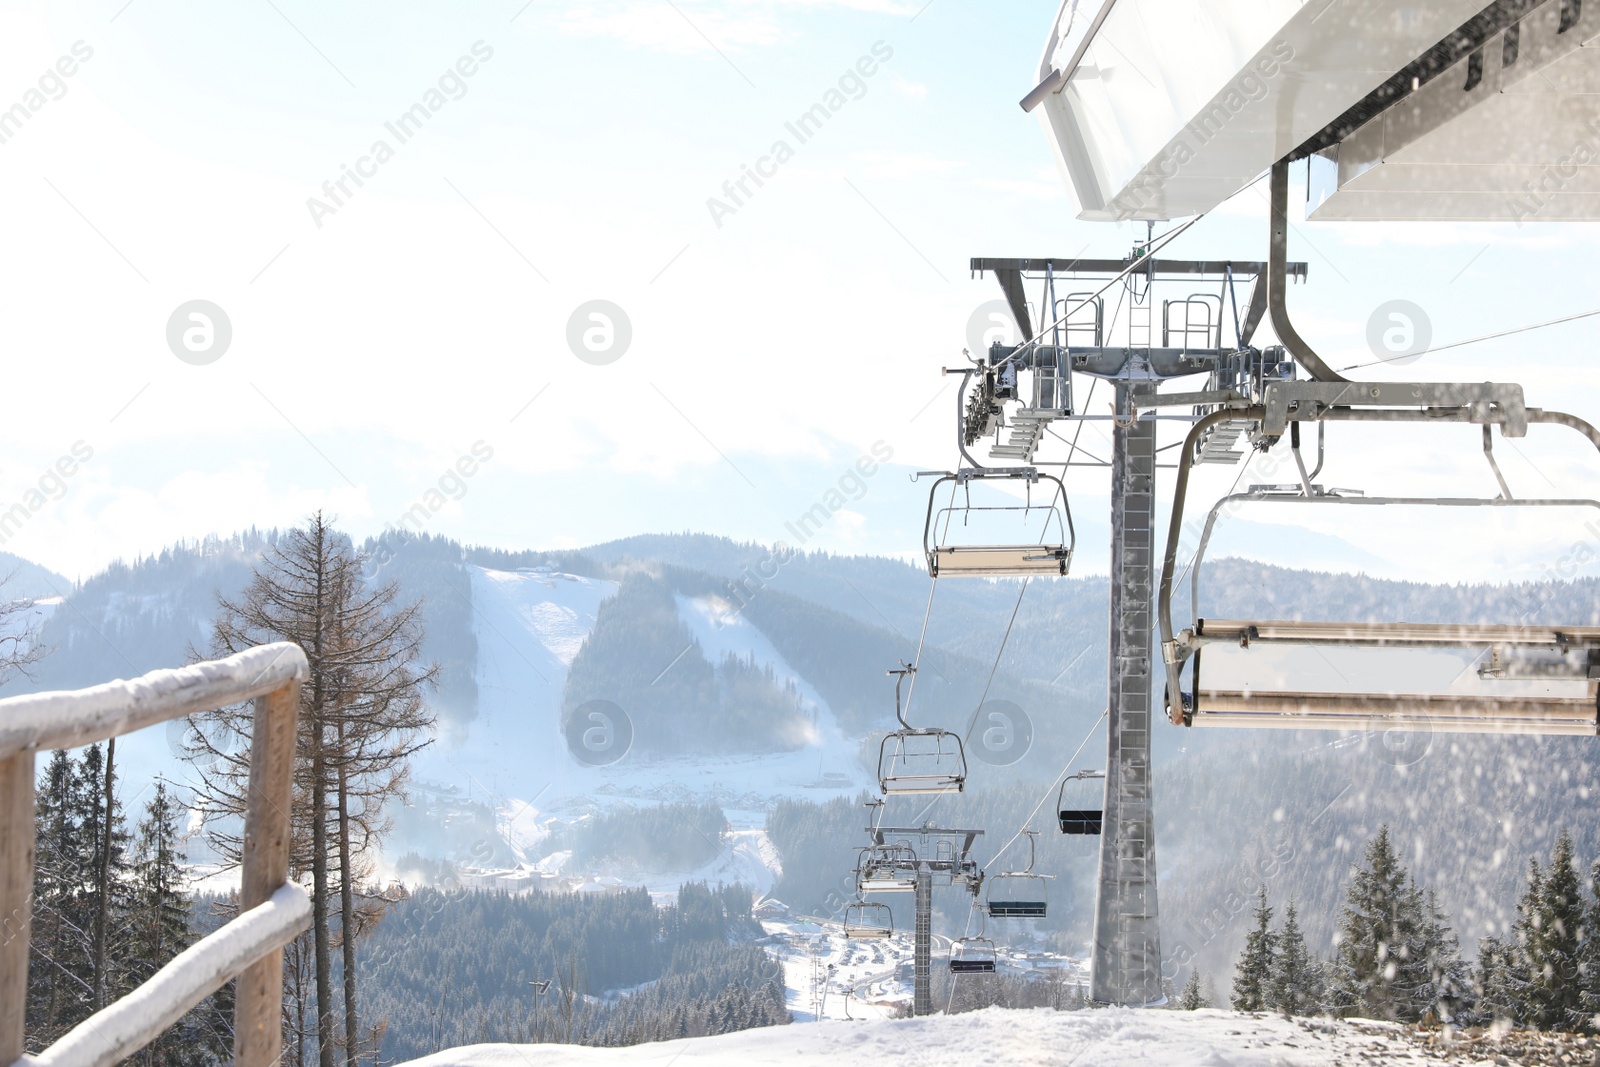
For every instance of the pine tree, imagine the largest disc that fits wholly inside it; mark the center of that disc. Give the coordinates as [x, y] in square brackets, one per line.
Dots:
[106, 837]
[58, 989]
[1295, 986]
[158, 928]
[1499, 983]
[1437, 978]
[1253, 972]
[1376, 931]
[1590, 953]
[1193, 996]
[1551, 935]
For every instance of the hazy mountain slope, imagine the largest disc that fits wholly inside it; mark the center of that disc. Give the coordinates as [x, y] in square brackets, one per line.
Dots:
[24, 579]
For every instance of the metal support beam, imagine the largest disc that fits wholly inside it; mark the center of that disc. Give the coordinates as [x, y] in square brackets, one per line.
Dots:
[1016, 299]
[1112, 266]
[922, 966]
[1126, 963]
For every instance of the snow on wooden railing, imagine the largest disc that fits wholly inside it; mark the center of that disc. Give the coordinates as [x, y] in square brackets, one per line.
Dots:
[250, 947]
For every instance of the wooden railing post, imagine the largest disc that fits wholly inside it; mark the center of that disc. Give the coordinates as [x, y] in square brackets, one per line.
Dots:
[258, 1008]
[16, 898]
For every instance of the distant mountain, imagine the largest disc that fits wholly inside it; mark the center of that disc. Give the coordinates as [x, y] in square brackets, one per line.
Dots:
[26, 580]
[751, 679]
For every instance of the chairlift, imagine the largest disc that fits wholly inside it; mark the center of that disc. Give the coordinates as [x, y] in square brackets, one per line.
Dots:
[919, 759]
[888, 868]
[943, 532]
[1292, 674]
[868, 920]
[1018, 894]
[973, 955]
[1083, 821]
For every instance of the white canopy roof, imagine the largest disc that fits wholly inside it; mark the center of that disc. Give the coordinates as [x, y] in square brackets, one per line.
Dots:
[1164, 108]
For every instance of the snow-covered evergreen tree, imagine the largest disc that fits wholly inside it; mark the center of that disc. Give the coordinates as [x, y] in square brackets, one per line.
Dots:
[1384, 965]
[1442, 982]
[1295, 986]
[1193, 996]
[1499, 983]
[1550, 945]
[158, 928]
[1252, 977]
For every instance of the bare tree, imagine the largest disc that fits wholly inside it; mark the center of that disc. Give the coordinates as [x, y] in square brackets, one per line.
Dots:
[20, 647]
[362, 717]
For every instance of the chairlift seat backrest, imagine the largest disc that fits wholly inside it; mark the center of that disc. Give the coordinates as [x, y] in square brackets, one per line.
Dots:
[972, 955]
[1017, 909]
[1397, 676]
[971, 966]
[999, 561]
[1083, 821]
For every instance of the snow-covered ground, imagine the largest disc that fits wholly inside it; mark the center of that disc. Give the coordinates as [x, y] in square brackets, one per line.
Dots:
[1109, 1037]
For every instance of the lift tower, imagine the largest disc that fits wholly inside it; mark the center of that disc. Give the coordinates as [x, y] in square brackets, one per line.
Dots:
[1157, 341]
[941, 855]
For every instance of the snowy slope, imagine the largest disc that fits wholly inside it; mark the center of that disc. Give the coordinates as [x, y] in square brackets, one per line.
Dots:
[1112, 1037]
[530, 626]
[722, 632]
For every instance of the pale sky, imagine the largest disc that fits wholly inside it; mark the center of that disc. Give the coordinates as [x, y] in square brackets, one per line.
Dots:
[374, 345]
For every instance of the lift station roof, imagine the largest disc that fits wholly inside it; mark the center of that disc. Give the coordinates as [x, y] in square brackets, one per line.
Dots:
[1448, 109]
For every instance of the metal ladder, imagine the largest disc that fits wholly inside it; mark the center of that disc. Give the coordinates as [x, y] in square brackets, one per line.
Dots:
[1219, 444]
[1026, 431]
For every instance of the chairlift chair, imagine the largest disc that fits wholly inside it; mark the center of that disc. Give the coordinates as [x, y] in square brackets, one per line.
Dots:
[1079, 821]
[919, 759]
[868, 920]
[1292, 674]
[949, 555]
[890, 868]
[973, 955]
[1018, 894]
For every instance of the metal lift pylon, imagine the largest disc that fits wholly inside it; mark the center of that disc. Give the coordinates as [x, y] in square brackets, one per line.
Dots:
[942, 853]
[1125, 965]
[1125, 961]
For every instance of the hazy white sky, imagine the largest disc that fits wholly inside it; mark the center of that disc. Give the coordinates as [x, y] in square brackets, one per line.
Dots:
[379, 337]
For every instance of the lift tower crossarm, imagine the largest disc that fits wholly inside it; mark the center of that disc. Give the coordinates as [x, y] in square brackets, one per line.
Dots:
[1116, 266]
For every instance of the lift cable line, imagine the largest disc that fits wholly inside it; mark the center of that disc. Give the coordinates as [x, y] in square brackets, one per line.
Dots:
[1475, 340]
[1001, 651]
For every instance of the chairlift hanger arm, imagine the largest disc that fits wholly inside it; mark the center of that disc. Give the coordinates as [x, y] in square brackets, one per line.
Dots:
[1277, 276]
